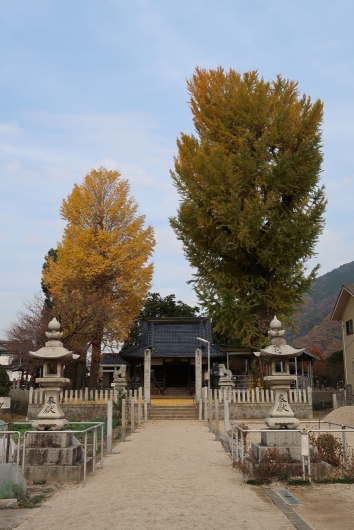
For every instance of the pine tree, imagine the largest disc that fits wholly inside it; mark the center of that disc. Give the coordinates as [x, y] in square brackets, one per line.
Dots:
[252, 206]
[157, 306]
[103, 258]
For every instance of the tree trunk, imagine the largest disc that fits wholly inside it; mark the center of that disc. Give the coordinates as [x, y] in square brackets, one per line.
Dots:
[264, 318]
[73, 375]
[95, 363]
[81, 375]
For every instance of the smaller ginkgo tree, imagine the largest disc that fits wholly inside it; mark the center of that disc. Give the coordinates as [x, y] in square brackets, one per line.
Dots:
[103, 260]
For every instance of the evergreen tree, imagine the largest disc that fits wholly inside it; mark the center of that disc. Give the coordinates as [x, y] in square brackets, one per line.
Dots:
[252, 206]
[157, 306]
[5, 383]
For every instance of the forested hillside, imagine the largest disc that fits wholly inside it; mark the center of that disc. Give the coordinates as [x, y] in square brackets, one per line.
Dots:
[315, 326]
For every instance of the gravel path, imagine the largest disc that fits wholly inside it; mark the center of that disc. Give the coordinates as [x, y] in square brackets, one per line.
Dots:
[170, 475]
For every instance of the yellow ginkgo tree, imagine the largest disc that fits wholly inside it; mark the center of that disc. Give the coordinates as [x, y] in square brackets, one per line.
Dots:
[104, 255]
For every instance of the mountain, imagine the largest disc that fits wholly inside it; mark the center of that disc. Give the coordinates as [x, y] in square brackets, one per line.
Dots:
[315, 326]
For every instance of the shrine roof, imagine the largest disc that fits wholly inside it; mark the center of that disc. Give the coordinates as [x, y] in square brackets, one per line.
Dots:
[112, 359]
[174, 337]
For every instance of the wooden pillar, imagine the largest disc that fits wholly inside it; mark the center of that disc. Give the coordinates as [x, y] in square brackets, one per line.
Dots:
[163, 375]
[189, 376]
[134, 376]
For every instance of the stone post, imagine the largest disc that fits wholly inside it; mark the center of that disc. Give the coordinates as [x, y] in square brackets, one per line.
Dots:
[109, 425]
[309, 395]
[132, 414]
[334, 400]
[205, 399]
[210, 410]
[198, 375]
[147, 376]
[217, 437]
[139, 406]
[123, 420]
[226, 416]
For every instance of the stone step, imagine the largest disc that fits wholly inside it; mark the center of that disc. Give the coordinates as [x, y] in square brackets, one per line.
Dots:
[173, 407]
[173, 412]
[172, 418]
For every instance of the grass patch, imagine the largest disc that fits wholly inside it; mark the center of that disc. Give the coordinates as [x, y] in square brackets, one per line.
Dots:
[31, 503]
[335, 481]
[253, 482]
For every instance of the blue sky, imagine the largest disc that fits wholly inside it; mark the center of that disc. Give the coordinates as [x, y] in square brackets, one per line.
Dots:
[85, 83]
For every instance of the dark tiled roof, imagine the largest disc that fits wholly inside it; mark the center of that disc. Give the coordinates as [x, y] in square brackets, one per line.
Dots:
[174, 337]
[112, 359]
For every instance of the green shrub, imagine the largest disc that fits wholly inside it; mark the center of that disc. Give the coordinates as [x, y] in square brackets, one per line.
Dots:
[5, 383]
[10, 490]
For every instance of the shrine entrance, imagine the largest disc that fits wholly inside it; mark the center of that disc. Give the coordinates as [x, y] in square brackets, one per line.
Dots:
[177, 374]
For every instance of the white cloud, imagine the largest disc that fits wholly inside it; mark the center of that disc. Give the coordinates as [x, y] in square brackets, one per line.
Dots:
[10, 129]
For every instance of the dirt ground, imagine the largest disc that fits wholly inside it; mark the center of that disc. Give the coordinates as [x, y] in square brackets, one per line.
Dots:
[174, 475]
[327, 506]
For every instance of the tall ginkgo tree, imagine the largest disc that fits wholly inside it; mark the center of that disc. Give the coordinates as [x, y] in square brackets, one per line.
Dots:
[251, 201]
[104, 255]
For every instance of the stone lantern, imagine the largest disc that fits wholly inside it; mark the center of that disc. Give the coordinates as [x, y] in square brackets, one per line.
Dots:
[279, 380]
[53, 355]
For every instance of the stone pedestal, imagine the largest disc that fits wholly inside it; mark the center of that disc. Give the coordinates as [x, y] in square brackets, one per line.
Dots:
[52, 416]
[56, 456]
[285, 441]
[225, 378]
[281, 414]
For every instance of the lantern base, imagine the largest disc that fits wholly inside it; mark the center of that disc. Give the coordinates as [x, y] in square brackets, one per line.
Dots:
[282, 423]
[49, 425]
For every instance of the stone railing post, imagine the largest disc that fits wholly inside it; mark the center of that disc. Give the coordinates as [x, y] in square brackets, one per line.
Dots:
[226, 416]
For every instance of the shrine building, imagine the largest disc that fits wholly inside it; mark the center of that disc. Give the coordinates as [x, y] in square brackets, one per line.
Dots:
[172, 347]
